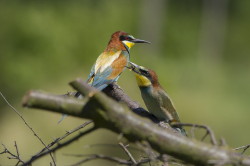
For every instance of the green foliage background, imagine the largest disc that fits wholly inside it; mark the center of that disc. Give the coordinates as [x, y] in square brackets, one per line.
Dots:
[44, 45]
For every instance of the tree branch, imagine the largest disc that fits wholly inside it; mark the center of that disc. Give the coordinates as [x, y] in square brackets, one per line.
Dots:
[59, 146]
[107, 113]
[12, 155]
[100, 156]
[124, 147]
[116, 93]
[64, 136]
[26, 123]
[245, 147]
[208, 130]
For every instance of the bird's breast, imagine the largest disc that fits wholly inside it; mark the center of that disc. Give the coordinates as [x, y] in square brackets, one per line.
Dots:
[118, 66]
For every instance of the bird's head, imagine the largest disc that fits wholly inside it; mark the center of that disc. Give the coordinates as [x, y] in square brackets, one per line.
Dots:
[124, 39]
[144, 77]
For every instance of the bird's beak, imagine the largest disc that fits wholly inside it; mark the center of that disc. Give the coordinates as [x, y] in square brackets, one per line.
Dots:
[134, 67]
[140, 41]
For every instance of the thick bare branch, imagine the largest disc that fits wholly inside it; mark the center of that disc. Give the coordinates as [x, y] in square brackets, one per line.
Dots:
[107, 113]
[65, 105]
[116, 93]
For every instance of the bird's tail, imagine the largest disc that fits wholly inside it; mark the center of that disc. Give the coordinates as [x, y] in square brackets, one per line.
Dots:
[174, 124]
[80, 96]
[77, 95]
[181, 130]
[62, 118]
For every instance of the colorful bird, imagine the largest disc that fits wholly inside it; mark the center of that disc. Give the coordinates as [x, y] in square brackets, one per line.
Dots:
[111, 63]
[154, 96]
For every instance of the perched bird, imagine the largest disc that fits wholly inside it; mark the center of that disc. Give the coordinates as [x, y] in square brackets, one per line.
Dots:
[154, 96]
[111, 63]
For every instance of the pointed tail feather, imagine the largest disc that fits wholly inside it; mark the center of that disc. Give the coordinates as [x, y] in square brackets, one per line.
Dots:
[62, 118]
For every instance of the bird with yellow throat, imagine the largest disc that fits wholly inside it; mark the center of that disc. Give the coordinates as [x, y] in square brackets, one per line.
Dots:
[111, 62]
[155, 97]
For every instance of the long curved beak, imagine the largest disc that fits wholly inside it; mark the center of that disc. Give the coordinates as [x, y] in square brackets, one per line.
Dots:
[140, 41]
[134, 67]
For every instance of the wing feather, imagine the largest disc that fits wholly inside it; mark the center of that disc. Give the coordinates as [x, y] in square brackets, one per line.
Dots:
[168, 106]
[107, 69]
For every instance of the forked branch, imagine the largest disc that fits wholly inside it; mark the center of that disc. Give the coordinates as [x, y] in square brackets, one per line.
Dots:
[117, 117]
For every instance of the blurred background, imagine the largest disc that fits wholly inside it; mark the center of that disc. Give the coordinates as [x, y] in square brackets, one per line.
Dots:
[200, 50]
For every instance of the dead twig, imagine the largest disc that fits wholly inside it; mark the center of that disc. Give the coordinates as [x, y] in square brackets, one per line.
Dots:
[59, 146]
[222, 142]
[117, 160]
[110, 145]
[245, 147]
[64, 136]
[99, 156]
[124, 147]
[12, 155]
[208, 130]
[31, 129]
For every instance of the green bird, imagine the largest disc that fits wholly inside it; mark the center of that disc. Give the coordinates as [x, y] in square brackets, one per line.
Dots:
[154, 96]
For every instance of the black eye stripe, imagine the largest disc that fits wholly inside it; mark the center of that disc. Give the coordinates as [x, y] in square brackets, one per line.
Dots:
[144, 72]
[125, 38]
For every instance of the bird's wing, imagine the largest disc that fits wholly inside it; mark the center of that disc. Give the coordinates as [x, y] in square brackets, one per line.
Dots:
[168, 107]
[108, 69]
[91, 75]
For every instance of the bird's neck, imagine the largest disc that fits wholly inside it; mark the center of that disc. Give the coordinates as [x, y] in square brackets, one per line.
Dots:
[142, 81]
[128, 45]
[156, 84]
[148, 89]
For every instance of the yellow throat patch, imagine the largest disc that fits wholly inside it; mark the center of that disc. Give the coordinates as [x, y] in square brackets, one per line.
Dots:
[142, 80]
[128, 44]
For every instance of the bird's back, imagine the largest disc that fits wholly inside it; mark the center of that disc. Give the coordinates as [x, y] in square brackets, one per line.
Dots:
[167, 105]
[159, 104]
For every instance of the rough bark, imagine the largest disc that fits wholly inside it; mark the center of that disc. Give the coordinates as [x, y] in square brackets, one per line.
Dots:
[109, 114]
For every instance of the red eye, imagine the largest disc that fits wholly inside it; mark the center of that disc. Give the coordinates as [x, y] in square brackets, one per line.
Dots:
[125, 38]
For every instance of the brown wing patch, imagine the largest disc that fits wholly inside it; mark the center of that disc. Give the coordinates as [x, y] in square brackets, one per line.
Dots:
[118, 66]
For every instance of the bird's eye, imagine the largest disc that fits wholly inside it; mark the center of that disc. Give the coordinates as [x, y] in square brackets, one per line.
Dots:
[122, 38]
[127, 38]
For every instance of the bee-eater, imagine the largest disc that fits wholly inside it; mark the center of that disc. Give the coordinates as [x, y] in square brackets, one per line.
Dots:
[154, 96]
[111, 63]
